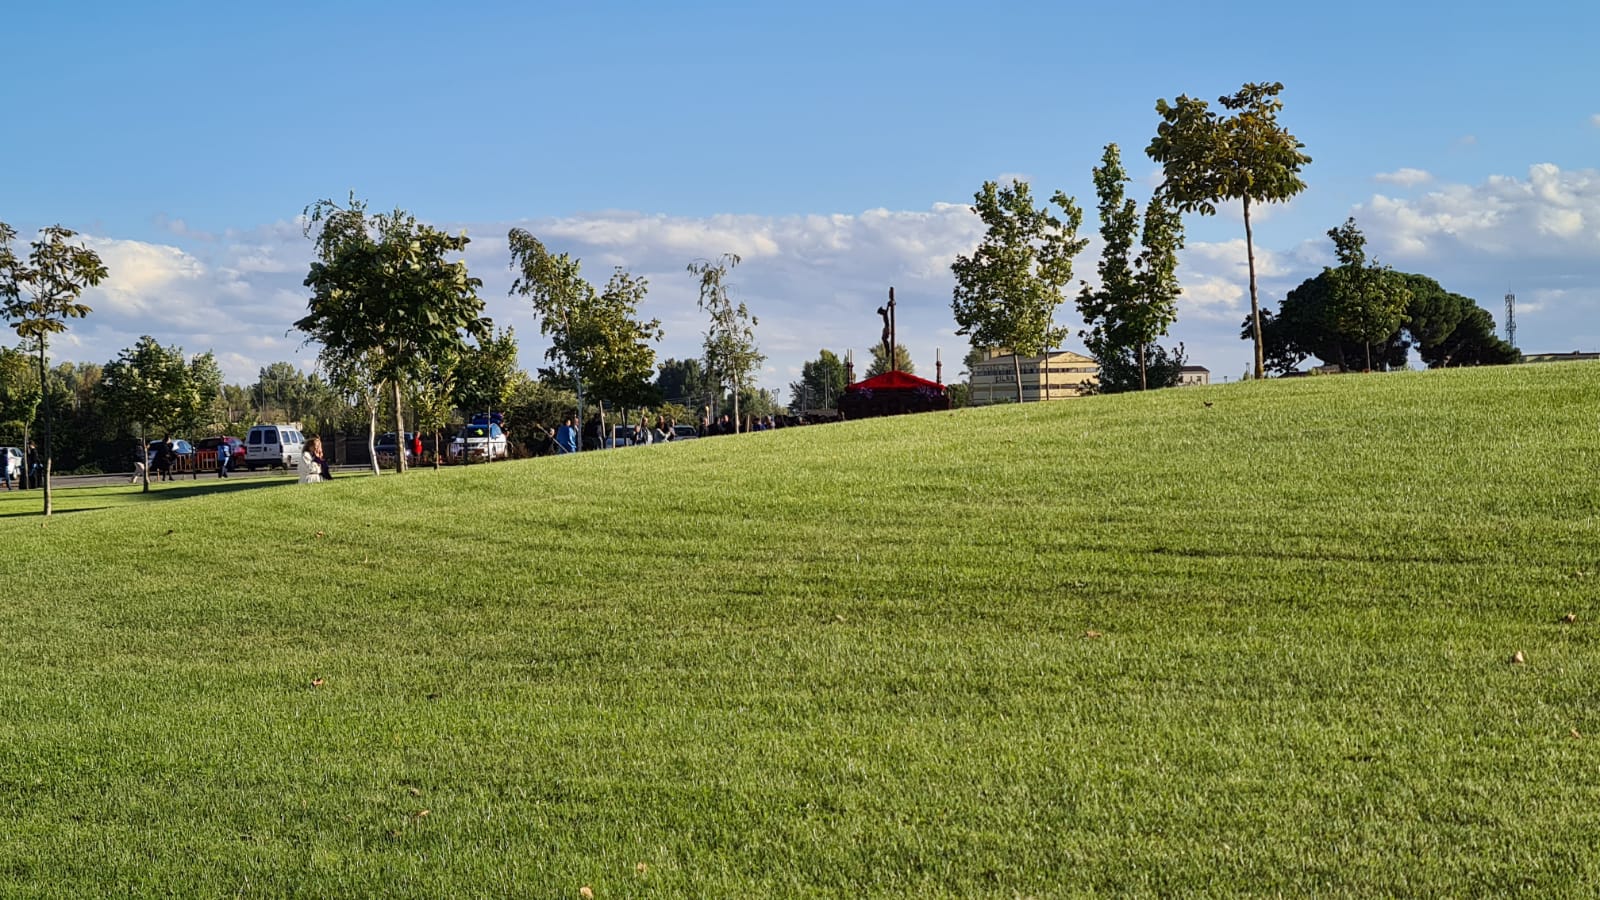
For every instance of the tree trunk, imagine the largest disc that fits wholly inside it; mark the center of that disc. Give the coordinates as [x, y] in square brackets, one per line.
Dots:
[1255, 304]
[144, 447]
[399, 430]
[372, 435]
[1144, 384]
[1016, 370]
[1368, 347]
[44, 394]
[736, 408]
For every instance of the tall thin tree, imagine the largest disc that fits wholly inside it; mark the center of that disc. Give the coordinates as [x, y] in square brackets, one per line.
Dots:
[39, 293]
[1137, 299]
[1207, 158]
[730, 345]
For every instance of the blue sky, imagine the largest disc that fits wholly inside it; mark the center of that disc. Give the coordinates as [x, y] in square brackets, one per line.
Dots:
[833, 145]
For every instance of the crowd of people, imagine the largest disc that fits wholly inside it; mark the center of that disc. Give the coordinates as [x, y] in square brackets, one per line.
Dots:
[596, 434]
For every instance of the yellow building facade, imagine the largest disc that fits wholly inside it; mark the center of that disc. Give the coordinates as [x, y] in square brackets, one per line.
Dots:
[1059, 375]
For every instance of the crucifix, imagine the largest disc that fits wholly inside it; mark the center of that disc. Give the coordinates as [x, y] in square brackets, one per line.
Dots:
[888, 332]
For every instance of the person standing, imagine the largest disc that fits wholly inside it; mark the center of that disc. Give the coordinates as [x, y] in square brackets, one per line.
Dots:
[163, 457]
[5, 467]
[35, 467]
[567, 437]
[416, 449]
[224, 453]
[311, 461]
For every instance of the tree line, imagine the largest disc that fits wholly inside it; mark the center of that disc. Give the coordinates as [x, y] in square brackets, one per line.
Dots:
[401, 336]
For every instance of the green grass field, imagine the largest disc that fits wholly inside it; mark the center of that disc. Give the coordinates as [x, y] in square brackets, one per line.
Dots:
[1120, 645]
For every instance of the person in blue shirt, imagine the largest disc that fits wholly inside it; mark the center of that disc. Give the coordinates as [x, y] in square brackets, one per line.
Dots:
[567, 437]
[223, 452]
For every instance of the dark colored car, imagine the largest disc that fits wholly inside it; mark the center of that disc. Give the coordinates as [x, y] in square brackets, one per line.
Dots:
[235, 449]
[384, 447]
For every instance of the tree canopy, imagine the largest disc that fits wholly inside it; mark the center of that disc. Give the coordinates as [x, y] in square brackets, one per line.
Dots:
[152, 388]
[1007, 290]
[880, 360]
[731, 356]
[386, 293]
[596, 337]
[1136, 300]
[1369, 301]
[821, 382]
[1447, 329]
[39, 292]
[1207, 158]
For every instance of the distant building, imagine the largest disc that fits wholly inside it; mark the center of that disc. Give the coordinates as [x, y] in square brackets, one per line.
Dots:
[1058, 375]
[1194, 375]
[1574, 356]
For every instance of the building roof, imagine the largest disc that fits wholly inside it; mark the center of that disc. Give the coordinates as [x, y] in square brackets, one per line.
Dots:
[1196, 369]
[897, 380]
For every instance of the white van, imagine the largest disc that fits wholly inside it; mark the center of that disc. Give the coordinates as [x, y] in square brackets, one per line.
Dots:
[273, 446]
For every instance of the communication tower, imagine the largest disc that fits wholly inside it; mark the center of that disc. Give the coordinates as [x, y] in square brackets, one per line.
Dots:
[1511, 319]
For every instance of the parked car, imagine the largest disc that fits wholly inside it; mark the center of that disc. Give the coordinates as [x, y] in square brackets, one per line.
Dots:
[273, 446]
[179, 446]
[480, 441]
[684, 433]
[621, 436]
[385, 446]
[235, 449]
[14, 463]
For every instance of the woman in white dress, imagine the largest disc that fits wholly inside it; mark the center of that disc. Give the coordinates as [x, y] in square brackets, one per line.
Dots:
[311, 461]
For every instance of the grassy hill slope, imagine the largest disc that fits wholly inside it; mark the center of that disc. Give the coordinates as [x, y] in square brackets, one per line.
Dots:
[1130, 644]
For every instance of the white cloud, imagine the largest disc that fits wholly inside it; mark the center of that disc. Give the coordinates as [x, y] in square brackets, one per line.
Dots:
[1404, 177]
[1595, 120]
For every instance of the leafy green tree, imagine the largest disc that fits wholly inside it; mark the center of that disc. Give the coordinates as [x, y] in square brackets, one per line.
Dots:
[281, 392]
[535, 409]
[1451, 330]
[1447, 329]
[596, 337]
[433, 400]
[39, 293]
[1007, 291]
[1136, 300]
[821, 382]
[880, 361]
[1126, 369]
[19, 396]
[151, 388]
[384, 293]
[731, 356]
[487, 375]
[1207, 158]
[1369, 301]
[683, 381]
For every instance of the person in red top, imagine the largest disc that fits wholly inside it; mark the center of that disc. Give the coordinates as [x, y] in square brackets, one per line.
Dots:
[416, 448]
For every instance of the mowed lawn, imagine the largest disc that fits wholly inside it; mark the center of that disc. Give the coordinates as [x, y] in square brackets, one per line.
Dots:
[1246, 639]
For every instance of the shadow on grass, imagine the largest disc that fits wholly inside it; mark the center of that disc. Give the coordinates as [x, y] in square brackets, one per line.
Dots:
[134, 496]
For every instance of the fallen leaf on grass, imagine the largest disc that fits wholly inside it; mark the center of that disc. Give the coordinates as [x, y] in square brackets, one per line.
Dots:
[415, 792]
[641, 868]
[422, 814]
[838, 617]
[1092, 634]
[586, 892]
[1575, 734]
[1569, 618]
[319, 534]
[1517, 658]
[316, 682]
